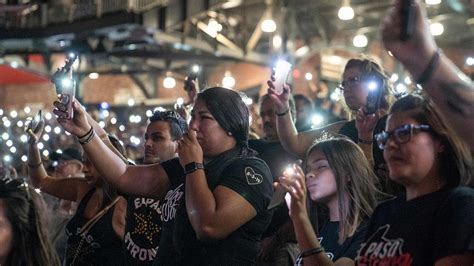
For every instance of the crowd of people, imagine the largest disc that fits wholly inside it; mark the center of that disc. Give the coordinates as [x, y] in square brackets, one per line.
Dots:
[389, 187]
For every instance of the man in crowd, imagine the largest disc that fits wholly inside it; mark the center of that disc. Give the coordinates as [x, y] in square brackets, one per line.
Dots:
[145, 216]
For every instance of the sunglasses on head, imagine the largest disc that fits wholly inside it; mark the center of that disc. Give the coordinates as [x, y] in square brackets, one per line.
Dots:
[400, 135]
[8, 184]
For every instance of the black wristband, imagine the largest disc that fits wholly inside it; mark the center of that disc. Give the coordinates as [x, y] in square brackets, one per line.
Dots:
[192, 167]
[35, 165]
[365, 141]
[311, 252]
[428, 72]
[283, 113]
[88, 132]
[88, 139]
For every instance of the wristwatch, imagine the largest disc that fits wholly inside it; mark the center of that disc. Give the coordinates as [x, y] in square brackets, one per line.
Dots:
[191, 167]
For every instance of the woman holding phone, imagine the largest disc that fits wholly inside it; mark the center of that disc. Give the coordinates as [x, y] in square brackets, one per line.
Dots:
[360, 75]
[95, 232]
[223, 213]
[340, 180]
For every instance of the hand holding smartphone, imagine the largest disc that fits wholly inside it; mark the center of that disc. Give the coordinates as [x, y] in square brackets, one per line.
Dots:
[33, 127]
[407, 14]
[375, 88]
[282, 70]
[65, 85]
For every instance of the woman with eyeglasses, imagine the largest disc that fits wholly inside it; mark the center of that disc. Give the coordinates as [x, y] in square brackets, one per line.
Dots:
[24, 239]
[451, 90]
[95, 231]
[223, 212]
[359, 77]
[339, 178]
[433, 224]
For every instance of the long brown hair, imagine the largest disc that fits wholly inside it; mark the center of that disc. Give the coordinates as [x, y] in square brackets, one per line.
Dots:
[25, 210]
[355, 180]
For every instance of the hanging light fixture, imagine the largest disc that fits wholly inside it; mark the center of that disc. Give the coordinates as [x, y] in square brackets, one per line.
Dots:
[169, 82]
[268, 25]
[360, 40]
[436, 28]
[345, 12]
[228, 81]
[433, 2]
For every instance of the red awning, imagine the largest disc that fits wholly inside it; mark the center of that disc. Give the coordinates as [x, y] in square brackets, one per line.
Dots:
[10, 75]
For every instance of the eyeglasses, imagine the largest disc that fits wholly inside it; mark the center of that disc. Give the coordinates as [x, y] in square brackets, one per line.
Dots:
[350, 82]
[400, 135]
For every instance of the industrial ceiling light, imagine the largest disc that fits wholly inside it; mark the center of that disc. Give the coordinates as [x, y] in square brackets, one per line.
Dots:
[302, 51]
[346, 12]
[433, 2]
[94, 75]
[213, 27]
[360, 41]
[228, 81]
[268, 25]
[436, 28]
[470, 61]
[277, 41]
[169, 82]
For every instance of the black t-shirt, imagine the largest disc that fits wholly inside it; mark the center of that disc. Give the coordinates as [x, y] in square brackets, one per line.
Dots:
[273, 153]
[420, 231]
[167, 254]
[277, 159]
[329, 237]
[100, 246]
[251, 178]
[142, 231]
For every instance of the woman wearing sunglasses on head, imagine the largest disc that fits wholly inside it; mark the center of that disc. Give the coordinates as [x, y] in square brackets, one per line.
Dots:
[433, 224]
[339, 178]
[360, 76]
[23, 236]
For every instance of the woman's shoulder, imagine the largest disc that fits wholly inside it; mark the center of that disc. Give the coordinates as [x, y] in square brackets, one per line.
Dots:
[459, 198]
[249, 161]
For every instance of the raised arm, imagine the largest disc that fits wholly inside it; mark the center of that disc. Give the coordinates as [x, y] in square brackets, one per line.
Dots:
[147, 181]
[292, 141]
[449, 88]
[103, 136]
[72, 189]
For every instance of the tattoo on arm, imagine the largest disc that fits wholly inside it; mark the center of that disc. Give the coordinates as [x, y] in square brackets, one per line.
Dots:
[459, 97]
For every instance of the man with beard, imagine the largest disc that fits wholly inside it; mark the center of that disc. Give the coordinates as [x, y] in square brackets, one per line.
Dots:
[279, 244]
[146, 218]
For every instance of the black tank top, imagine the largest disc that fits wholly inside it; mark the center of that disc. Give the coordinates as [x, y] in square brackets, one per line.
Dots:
[142, 231]
[101, 246]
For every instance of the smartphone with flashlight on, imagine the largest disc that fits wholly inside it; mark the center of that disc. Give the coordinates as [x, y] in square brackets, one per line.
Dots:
[65, 85]
[34, 123]
[192, 76]
[280, 193]
[375, 87]
[282, 69]
[407, 14]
